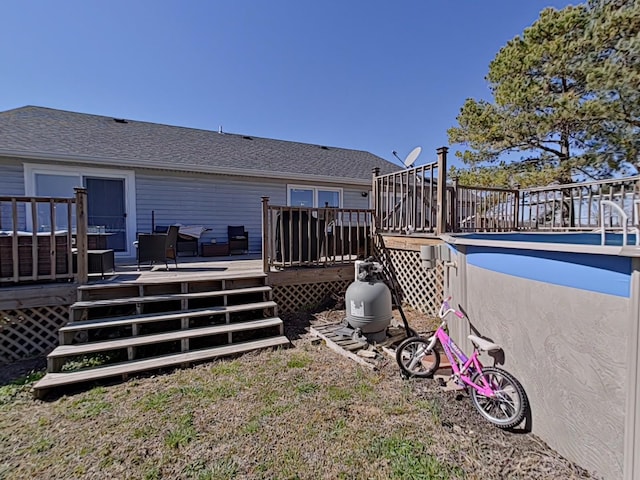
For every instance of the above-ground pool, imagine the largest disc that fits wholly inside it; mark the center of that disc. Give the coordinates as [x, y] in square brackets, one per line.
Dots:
[574, 238]
[575, 260]
[566, 311]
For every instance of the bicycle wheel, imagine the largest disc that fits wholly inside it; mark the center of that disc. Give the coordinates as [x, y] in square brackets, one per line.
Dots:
[416, 359]
[508, 407]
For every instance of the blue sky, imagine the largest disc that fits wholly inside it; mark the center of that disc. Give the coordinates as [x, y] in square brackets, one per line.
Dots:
[364, 74]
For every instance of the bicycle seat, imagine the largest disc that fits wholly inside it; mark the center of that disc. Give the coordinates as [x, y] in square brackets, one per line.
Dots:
[484, 345]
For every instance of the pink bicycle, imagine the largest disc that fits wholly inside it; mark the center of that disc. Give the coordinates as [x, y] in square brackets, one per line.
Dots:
[495, 393]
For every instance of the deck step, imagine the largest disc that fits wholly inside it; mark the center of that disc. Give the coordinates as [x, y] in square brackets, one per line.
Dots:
[81, 325]
[51, 380]
[167, 297]
[135, 341]
[165, 280]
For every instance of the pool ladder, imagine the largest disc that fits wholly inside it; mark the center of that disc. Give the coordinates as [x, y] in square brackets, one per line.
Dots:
[635, 225]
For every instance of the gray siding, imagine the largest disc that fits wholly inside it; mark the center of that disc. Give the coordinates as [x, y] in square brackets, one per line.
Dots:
[215, 202]
[11, 177]
[11, 184]
[353, 198]
[208, 200]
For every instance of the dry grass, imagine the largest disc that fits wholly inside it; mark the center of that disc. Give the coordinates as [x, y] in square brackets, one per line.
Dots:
[303, 412]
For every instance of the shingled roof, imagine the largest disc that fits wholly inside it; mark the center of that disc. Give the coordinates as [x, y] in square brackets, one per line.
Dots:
[44, 133]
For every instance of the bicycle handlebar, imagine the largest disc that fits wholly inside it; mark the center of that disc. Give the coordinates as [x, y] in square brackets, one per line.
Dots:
[445, 309]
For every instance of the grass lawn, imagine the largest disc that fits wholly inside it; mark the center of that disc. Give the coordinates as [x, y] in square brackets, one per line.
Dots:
[303, 412]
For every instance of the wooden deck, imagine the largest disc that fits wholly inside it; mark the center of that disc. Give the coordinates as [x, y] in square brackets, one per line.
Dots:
[37, 311]
[190, 268]
[30, 295]
[193, 268]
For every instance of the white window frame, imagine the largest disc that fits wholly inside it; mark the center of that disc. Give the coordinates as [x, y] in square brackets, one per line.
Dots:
[129, 177]
[315, 189]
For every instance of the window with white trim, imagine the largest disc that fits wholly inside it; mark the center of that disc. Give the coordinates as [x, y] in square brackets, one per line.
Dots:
[313, 197]
[110, 200]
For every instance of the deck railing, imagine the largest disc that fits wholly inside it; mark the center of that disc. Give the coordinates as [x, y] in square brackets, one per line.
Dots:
[569, 207]
[576, 206]
[419, 201]
[412, 200]
[37, 238]
[476, 209]
[301, 236]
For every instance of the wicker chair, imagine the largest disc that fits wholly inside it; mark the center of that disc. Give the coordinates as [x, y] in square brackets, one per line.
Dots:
[185, 243]
[158, 247]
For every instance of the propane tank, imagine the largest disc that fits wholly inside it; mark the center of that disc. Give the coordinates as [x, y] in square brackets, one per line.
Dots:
[368, 301]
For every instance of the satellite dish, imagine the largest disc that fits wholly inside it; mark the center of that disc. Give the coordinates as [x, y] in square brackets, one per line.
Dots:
[412, 157]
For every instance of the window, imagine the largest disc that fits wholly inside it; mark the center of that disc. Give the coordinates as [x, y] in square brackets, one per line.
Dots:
[53, 185]
[328, 198]
[303, 196]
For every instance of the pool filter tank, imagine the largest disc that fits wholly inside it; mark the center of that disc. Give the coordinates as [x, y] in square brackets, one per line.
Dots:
[368, 304]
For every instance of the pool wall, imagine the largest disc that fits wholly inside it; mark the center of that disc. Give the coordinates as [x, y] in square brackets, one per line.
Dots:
[567, 319]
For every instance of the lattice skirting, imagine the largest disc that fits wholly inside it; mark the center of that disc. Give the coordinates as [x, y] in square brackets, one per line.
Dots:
[422, 289]
[29, 332]
[307, 296]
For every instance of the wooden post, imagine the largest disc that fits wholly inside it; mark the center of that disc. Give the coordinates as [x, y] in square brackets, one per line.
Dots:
[516, 213]
[376, 203]
[441, 220]
[69, 219]
[81, 235]
[455, 205]
[52, 242]
[265, 234]
[14, 244]
[34, 240]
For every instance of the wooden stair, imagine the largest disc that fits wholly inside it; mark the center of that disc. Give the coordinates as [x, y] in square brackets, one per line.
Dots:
[136, 327]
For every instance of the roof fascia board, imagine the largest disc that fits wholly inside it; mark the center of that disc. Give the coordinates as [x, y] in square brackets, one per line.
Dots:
[200, 168]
